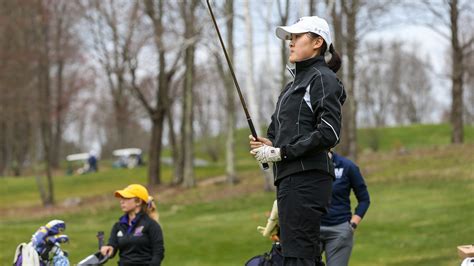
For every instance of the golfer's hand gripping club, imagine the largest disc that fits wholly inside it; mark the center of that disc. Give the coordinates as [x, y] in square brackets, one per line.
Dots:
[265, 154]
[254, 135]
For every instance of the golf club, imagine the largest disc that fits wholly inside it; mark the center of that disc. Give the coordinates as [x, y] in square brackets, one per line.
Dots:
[242, 100]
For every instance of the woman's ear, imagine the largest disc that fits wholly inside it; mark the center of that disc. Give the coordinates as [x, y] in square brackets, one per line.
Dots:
[318, 43]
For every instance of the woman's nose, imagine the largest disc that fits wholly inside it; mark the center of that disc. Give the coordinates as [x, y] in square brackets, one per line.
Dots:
[291, 44]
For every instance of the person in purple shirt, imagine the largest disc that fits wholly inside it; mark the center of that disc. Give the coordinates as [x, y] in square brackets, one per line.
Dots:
[137, 235]
[339, 224]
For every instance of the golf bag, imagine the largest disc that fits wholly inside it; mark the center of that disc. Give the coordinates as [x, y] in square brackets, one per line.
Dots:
[272, 258]
[44, 249]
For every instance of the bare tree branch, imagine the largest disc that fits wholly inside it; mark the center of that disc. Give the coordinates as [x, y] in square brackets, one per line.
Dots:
[133, 64]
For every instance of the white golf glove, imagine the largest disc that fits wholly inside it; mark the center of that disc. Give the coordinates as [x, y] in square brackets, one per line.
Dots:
[265, 154]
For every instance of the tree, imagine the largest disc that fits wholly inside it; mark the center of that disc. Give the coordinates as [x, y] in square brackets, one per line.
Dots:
[188, 11]
[43, 38]
[37, 80]
[450, 13]
[469, 108]
[352, 19]
[113, 24]
[349, 132]
[155, 13]
[249, 77]
[18, 81]
[312, 8]
[393, 85]
[250, 85]
[459, 51]
[283, 13]
[375, 95]
[229, 91]
[64, 54]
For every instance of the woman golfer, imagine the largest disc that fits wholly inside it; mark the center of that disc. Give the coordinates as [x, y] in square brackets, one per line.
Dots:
[137, 235]
[304, 127]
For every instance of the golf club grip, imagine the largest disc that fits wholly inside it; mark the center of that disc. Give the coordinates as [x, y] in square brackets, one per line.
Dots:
[254, 134]
[100, 238]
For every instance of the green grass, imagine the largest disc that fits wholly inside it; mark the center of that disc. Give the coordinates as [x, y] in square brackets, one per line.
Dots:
[422, 208]
[413, 136]
[413, 223]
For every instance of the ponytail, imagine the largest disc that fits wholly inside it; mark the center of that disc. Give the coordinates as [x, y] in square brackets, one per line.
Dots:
[150, 209]
[335, 62]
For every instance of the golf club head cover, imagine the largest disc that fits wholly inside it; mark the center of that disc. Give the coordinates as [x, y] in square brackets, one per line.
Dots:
[53, 227]
[57, 239]
[37, 240]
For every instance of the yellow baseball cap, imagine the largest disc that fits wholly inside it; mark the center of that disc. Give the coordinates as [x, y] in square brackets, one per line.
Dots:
[133, 191]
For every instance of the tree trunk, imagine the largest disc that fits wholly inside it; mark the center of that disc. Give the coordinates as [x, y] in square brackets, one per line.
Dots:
[283, 48]
[457, 134]
[338, 18]
[187, 127]
[121, 116]
[252, 92]
[21, 138]
[175, 151]
[188, 174]
[44, 87]
[230, 138]
[188, 118]
[249, 78]
[349, 141]
[312, 7]
[58, 116]
[3, 144]
[230, 97]
[155, 149]
[57, 136]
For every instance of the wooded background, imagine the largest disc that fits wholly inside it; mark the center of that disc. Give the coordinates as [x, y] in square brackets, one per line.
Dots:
[108, 74]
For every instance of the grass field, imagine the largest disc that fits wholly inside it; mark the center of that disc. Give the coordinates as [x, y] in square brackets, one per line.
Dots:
[422, 208]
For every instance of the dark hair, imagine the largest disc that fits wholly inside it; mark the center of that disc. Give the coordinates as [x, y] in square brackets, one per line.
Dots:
[335, 62]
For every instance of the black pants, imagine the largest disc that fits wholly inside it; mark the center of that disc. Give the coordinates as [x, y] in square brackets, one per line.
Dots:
[302, 199]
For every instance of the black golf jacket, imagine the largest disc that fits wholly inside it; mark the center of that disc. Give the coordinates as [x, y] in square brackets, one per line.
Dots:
[307, 119]
[140, 243]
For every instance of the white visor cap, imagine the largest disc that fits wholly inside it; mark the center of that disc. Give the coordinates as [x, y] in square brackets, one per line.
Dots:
[313, 24]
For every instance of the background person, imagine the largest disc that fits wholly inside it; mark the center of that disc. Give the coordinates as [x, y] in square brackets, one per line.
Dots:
[93, 162]
[339, 224]
[137, 235]
[304, 127]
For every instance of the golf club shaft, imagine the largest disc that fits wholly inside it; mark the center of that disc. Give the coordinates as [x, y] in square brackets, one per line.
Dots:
[231, 68]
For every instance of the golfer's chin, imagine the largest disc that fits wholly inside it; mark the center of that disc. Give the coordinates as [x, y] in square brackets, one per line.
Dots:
[292, 59]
